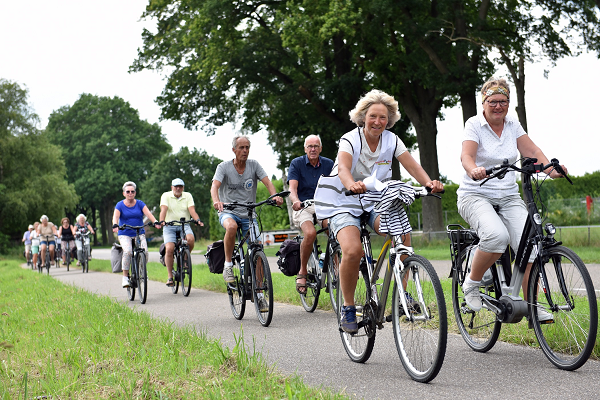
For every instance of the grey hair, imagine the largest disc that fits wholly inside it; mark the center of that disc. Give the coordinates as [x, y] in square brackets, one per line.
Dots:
[84, 218]
[493, 81]
[44, 217]
[129, 183]
[358, 114]
[313, 136]
[235, 139]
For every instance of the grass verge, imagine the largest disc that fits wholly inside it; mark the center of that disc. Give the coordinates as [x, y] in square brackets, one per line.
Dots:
[58, 341]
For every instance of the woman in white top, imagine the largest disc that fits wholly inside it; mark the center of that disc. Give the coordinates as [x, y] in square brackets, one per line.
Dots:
[488, 139]
[366, 151]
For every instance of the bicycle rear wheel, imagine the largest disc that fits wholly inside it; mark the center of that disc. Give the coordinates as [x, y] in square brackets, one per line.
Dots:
[479, 329]
[186, 273]
[262, 288]
[132, 280]
[67, 257]
[333, 274]
[359, 346]
[176, 274]
[421, 336]
[569, 340]
[237, 292]
[142, 276]
[310, 299]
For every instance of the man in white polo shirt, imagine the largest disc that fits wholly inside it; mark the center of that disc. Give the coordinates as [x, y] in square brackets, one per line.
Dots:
[175, 205]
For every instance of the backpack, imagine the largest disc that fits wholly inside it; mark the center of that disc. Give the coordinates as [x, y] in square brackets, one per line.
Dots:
[215, 257]
[116, 255]
[289, 257]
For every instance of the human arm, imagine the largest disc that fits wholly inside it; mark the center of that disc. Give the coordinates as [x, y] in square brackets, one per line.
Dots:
[148, 214]
[271, 188]
[194, 214]
[345, 174]
[529, 149]
[416, 171]
[214, 194]
[115, 219]
[72, 228]
[87, 224]
[296, 203]
[59, 231]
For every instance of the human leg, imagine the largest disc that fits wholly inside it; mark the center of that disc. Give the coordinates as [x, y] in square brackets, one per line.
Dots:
[127, 247]
[228, 221]
[306, 248]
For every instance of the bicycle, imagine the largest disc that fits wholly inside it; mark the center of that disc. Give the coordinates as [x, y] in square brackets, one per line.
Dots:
[317, 277]
[29, 258]
[138, 274]
[558, 283]
[182, 269]
[418, 312]
[57, 252]
[46, 262]
[253, 282]
[84, 238]
[67, 251]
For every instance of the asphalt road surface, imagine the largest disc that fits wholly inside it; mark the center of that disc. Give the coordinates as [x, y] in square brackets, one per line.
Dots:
[309, 345]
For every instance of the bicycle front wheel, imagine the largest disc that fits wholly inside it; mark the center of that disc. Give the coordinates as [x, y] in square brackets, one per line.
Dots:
[176, 274]
[333, 276]
[237, 292]
[310, 299]
[132, 280]
[479, 329]
[421, 335]
[68, 257]
[359, 346]
[186, 273]
[262, 288]
[569, 340]
[142, 276]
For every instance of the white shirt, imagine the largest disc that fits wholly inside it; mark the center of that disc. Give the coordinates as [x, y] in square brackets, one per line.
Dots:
[492, 150]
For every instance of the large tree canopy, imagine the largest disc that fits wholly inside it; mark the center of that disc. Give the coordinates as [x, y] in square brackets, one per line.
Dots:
[105, 143]
[32, 172]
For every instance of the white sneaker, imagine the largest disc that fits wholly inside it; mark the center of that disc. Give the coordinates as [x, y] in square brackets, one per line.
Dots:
[472, 296]
[263, 305]
[228, 274]
[126, 282]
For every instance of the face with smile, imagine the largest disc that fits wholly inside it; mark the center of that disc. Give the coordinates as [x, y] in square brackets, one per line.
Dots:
[376, 119]
[493, 110]
[242, 149]
[129, 193]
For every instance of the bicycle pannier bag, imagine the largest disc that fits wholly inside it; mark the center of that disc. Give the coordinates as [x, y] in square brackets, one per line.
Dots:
[215, 257]
[162, 252]
[116, 255]
[289, 257]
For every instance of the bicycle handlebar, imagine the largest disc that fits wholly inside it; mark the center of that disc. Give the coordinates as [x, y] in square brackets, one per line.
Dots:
[269, 201]
[171, 223]
[420, 191]
[529, 167]
[136, 228]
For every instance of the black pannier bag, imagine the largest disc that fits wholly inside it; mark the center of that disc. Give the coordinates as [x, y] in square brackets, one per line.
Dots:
[289, 257]
[116, 255]
[215, 257]
[161, 251]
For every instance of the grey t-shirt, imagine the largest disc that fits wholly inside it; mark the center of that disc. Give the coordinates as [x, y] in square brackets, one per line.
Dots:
[238, 187]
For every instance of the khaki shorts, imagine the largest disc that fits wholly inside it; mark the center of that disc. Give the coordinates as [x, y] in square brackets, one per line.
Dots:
[306, 214]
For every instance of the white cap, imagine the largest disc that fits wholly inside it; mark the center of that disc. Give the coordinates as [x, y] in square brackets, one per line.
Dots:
[177, 182]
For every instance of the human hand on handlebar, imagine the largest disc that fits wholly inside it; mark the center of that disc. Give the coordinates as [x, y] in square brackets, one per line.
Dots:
[278, 200]
[358, 187]
[555, 174]
[436, 186]
[478, 173]
[218, 206]
[297, 205]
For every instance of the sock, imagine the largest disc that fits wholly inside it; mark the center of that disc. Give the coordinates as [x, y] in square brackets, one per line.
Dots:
[228, 263]
[469, 281]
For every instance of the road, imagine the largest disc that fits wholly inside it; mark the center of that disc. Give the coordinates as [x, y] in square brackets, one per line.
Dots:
[309, 345]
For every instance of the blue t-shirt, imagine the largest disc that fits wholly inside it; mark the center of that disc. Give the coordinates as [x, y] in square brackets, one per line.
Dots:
[301, 170]
[133, 216]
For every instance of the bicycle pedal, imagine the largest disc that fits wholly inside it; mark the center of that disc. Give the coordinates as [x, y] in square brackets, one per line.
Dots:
[388, 318]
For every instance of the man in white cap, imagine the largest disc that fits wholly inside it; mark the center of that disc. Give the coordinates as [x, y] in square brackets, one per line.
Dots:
[175, 205]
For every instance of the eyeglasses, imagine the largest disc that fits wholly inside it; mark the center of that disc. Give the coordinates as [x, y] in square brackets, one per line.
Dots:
[130, 191]
[313, 146]
[494, 103]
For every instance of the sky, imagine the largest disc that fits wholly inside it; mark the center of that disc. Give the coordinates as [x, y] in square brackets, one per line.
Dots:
[59, 50]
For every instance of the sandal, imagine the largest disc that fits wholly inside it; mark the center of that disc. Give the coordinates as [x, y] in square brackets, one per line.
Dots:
[170, 282]
[301, 285]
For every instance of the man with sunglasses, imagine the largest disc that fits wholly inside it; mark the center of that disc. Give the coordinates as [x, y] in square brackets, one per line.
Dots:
[175, 205]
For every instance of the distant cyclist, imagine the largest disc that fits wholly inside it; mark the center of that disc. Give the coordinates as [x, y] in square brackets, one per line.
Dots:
[47, 232]
[303, 176]
[67, 235]
[35, 243]
[27, 241]
[175, 205]
[236, 180]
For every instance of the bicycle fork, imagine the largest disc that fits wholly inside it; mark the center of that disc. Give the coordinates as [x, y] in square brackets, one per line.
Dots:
[399, 272]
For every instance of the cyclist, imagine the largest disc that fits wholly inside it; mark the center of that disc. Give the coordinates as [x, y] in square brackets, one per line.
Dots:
[303, 175]
[82, 226]
[47, 232]
[175, 205]
[488, 139]
[131, 212]
[35, 243]
[236, 180]
[67, 235]
[364, 152]
[27, 241]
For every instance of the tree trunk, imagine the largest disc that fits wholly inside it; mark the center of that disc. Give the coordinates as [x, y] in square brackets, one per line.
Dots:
[288, 202]
[468, 104]
[108, 237]
[95, 222]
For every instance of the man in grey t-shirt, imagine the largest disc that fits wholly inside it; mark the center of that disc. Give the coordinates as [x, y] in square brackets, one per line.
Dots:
[236, 180]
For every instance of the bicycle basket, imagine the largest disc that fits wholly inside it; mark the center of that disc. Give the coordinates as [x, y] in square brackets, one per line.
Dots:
[462, 237]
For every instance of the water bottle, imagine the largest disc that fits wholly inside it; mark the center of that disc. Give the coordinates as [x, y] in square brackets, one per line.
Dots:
[321, 261]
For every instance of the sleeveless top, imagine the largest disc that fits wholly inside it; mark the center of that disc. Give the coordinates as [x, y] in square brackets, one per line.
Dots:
[67, 234]
[330, 199]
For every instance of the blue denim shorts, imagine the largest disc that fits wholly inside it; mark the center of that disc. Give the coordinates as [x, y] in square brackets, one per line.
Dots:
[170, 232]
[243, 222]
[339, 221]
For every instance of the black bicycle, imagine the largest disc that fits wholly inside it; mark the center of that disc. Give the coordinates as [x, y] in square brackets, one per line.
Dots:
[46, 261]
[67, 250]
[58, 252]
[252, 282]
[83, 236]
[138, 276]
[559, 283]
[325, 275]
[182, 267]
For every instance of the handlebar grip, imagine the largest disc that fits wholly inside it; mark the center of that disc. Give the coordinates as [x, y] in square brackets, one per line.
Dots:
[349, 192]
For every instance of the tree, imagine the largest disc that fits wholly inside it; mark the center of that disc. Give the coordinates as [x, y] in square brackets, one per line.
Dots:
[32, 172]
[105, 143]
[196, 169]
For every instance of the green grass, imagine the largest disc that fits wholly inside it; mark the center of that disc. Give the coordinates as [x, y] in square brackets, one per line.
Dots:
[50, 348]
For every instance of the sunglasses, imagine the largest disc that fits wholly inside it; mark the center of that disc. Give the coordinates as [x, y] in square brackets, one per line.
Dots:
[130, 191]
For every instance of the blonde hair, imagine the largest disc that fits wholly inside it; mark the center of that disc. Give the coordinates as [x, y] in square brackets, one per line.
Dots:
[358, 114]
[495, 82]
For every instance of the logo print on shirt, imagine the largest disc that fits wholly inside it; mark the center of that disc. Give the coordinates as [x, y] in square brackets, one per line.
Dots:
[248, 185]
[383, 162]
